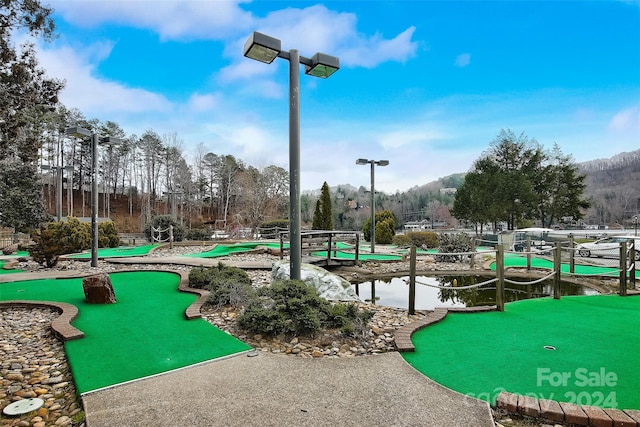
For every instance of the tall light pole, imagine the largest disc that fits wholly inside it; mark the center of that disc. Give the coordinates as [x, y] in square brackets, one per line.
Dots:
[373, 196]
[266, 49]
[95, 140]
[58, 171]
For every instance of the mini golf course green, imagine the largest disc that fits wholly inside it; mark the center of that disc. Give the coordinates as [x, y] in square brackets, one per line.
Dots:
[122, 251]
[144, 333]
[520, 261]
[595, 361]
[225, 250]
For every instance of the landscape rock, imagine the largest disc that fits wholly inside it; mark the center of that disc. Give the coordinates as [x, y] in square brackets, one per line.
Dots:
[98, 289]
[328, 285]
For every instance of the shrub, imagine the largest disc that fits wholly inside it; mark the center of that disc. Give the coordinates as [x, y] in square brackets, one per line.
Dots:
[228, 285]
[59, 238]
[384, 232]
[451, 243]
[401, 240]
[291, 307]
[108, 235]
[198, 234]
[382, 216]
[163, 222]
[424, 239]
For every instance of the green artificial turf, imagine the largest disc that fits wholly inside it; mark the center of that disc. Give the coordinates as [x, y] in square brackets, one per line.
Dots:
[519, 261]
[120, 252]
[595, 361]
[362, 256]
[225, 250]
[144, 333]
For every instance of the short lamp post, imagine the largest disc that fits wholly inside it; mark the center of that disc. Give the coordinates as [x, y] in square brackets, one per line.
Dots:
[95, 140]
[58, 170]
[373, 196]
[266, 49]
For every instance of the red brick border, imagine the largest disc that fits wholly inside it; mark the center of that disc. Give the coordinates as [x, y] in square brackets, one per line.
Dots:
[567, 412]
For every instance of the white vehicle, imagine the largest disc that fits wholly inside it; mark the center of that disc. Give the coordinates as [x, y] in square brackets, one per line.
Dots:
[608, 247]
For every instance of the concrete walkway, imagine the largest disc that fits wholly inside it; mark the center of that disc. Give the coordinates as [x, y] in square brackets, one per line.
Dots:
[279, 390]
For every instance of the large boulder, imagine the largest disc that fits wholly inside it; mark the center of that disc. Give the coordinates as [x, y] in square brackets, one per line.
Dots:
[328, 285]
[98, 289]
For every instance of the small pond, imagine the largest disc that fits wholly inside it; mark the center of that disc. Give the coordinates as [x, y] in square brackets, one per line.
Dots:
[394, 292]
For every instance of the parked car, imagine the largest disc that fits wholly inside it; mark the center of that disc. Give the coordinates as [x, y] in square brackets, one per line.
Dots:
[608, 247]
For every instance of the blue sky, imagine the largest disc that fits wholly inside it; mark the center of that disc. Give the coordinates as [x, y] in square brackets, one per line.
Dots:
[426, 85]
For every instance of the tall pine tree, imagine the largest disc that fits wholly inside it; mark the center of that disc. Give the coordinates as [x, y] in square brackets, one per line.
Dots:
[323, 216]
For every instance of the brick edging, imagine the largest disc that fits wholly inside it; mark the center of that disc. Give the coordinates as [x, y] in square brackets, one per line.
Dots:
[193, 311]
[402, 336]
[566, 412]
[61, 325]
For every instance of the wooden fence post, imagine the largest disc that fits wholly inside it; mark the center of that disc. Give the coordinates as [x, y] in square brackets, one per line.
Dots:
[572, 254]
[528, 253]
[623, 269]
[500, 277]
[412, 281]
[557, 265]
[632, 261]
[472, 258]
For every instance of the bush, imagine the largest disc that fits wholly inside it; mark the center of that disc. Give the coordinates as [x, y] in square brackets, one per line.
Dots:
[384, 232]
[401, 240]
[291, 307]
[228, 285]
[451, 243]
[424, 239]
[198, 234]
[108, 235]
[163, 222]
[59, 238]
[382, 216]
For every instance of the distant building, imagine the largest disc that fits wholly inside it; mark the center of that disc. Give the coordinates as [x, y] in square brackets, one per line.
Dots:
[448, 191]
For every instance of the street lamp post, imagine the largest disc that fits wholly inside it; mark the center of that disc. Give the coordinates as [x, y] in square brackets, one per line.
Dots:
[266, 49]
[58, 171]
[373, 195]
[95, 140]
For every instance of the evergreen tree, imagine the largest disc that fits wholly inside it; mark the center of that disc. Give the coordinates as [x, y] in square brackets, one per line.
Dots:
[322, 216]
[26, 96]
[326, 207]
[516, 181]
[317, 217]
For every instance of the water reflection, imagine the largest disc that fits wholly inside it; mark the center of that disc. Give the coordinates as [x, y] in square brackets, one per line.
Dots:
[394, 292]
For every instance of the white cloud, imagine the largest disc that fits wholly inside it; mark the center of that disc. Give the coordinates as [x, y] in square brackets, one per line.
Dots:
[318, 29]
[401, 138]
[171, 19]
[463, 60]
[375, 50]
[626, 120]
[89, 93]
[206, 102]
